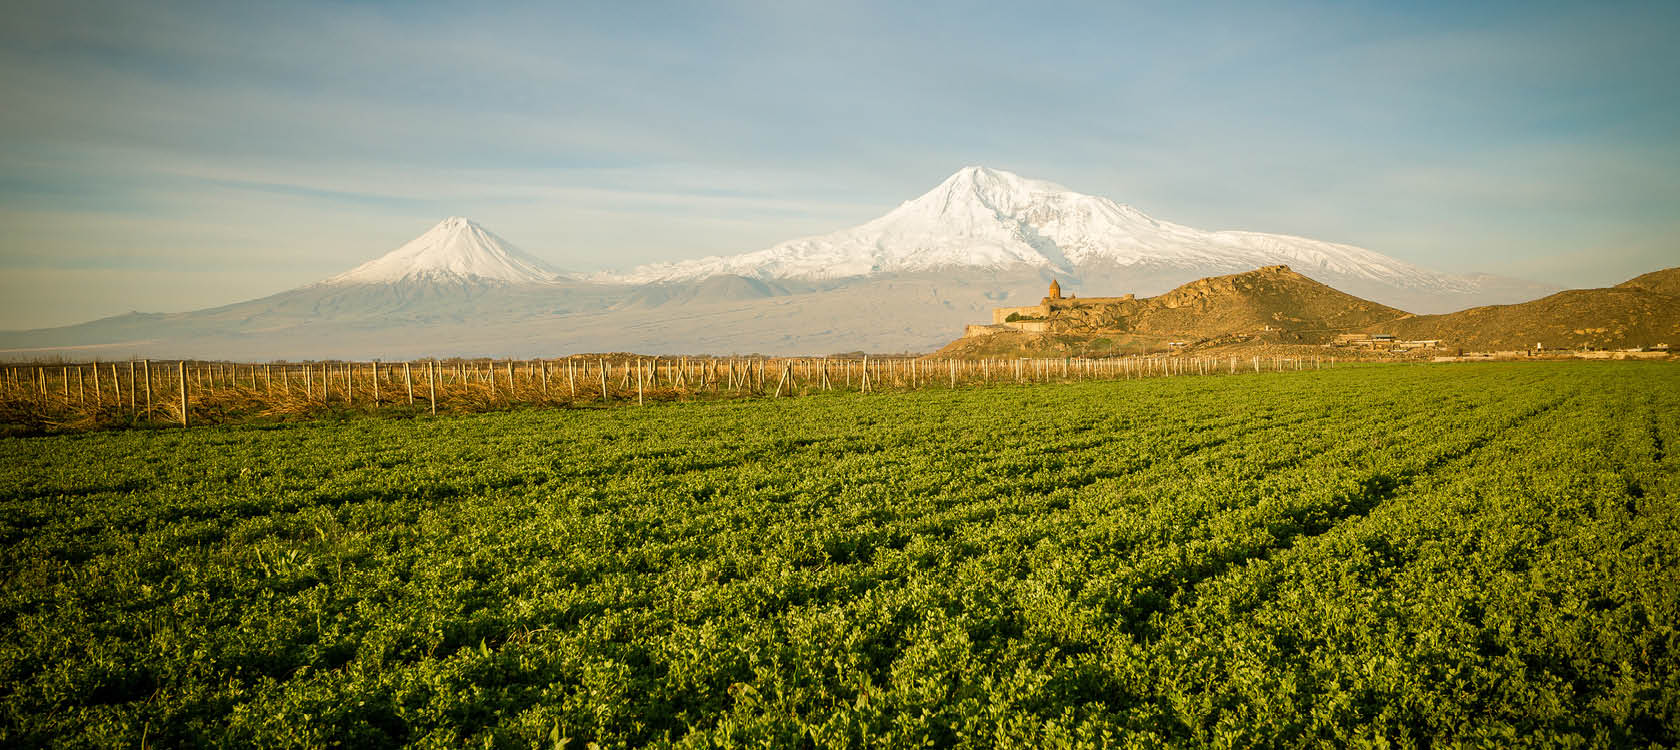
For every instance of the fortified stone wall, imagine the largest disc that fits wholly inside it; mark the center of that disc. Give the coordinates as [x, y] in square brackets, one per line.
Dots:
[1029, 326]
[1000, 314]
[1064, 304]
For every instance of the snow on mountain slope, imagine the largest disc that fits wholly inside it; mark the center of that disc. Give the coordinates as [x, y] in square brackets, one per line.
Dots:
[992, 219]
[455, 249]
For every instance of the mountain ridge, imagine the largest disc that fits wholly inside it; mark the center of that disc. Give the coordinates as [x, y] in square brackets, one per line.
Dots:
[994, 219]
[981, 239]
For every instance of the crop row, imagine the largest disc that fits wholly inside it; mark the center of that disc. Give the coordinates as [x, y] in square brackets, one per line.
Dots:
[1411, 555]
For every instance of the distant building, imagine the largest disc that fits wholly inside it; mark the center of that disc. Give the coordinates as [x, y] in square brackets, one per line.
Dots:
[1036, 318]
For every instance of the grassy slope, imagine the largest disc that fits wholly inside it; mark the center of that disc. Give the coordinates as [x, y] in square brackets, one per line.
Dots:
[1443, 552]
[1610, 318]
[1269, 306]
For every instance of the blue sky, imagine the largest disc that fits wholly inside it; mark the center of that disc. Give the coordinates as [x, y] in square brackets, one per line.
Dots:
[162, 156]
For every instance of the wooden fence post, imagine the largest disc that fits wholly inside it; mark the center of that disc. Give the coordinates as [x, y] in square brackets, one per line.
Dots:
[431, 384]
[183, 373]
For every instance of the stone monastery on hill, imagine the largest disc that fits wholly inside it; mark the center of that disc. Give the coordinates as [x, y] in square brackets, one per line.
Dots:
[1035, 318]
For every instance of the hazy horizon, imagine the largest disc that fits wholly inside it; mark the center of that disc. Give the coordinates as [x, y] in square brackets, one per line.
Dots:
[174, 158]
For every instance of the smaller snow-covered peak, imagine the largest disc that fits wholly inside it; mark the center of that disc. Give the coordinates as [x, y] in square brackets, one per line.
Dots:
[456, 248]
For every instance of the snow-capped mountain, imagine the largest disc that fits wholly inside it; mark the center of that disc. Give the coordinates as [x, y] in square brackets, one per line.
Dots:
[995, 220]
[456, 249]
[904, 282]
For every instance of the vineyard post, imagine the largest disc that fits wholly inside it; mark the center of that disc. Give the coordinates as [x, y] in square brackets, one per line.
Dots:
[431, 384]
[146, 371]
[376, 384]
[571, 379]
[131, 383]
[603, 363]
[98, 393]
[544, 364]
[183, 374]
[639, 381]
[409, 382]
[510, 379]
[953, 364]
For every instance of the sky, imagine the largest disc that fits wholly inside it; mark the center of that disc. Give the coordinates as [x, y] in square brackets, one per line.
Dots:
[166, 156]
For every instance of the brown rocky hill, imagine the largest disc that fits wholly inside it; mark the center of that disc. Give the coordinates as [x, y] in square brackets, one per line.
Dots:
[1666, 281]
[1638, 313]
[1275, 308]
[1273, 297]
[1273, 305]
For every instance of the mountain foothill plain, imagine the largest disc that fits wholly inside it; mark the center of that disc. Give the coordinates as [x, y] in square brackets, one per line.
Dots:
[907, 281]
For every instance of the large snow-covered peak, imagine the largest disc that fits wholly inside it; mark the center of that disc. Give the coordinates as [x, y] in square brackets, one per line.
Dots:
[973, 219]
[990, 219]
[983, 187]
[457, 248]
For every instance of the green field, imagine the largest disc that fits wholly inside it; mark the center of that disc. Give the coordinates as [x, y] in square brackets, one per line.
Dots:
[1482, 554]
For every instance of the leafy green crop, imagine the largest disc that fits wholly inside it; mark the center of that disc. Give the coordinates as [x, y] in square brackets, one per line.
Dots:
[1405, 555]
